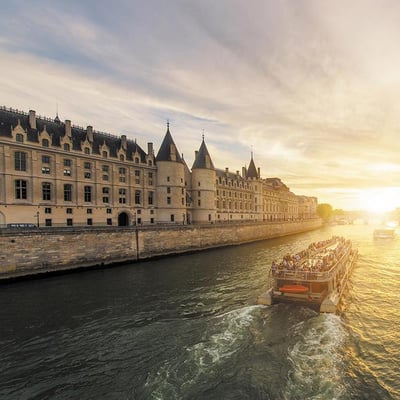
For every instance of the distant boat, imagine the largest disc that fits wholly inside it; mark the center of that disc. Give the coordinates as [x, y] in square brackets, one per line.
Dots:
[384, 233]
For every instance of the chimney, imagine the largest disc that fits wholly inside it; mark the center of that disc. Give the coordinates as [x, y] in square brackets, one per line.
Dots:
[150, 150]
[195, 154]
[243, 172]
[226, 170]
[237, 173]
[89, 133]
[32, 119]
[259, 172]
[124, 143]
[68, 127]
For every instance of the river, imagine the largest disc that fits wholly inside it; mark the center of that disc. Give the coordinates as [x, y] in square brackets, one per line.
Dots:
[188, 327]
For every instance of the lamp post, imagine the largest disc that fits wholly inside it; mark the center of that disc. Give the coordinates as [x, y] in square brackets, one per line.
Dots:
[37, 218]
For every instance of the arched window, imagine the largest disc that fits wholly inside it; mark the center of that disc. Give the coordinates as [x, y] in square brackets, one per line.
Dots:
[137, 160]
[121, 157]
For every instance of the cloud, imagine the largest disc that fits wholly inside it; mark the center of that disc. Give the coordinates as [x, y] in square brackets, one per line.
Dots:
[313, 87]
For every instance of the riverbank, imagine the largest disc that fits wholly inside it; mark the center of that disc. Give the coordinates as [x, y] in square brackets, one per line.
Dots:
[41, 251]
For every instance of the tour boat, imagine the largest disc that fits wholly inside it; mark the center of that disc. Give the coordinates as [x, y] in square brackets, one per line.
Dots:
[315, 277]
[384, 233]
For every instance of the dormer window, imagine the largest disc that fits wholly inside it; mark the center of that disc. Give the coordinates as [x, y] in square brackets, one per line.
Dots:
[105, 154]
[45, 142]
[19, 138]
[121, 157]
[137, 160]
[66, 147]
[86, 150]
[150, 163]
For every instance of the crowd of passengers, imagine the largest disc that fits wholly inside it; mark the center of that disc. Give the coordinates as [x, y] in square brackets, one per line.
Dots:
[305, 260]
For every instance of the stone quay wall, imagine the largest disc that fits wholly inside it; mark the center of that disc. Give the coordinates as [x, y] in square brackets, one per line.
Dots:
[32, 252]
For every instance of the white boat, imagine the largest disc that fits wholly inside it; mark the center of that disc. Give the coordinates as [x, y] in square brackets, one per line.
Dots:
[315, 277]
[384, 233]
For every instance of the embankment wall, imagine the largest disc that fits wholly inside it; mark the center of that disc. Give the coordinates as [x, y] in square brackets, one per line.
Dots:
[34, 252]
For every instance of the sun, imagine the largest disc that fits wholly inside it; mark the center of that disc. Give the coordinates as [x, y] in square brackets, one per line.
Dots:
[380, 201]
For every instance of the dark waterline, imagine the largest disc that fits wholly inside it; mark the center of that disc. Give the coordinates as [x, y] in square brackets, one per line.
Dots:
[188, 327]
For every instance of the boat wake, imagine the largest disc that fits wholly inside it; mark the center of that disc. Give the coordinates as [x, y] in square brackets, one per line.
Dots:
[316, 360]
[199, 367]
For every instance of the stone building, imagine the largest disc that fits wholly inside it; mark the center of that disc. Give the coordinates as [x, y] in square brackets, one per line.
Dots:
[53, 173]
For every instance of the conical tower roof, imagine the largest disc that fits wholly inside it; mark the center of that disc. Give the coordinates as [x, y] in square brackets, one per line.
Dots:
[168, 150]
[203, 159]
[252, 170]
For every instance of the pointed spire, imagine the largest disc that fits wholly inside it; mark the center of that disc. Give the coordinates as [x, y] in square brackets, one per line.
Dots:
[203, 159]
[168, 150]
[252, 170]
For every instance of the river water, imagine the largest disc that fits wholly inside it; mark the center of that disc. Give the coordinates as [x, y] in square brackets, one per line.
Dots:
[188, 327]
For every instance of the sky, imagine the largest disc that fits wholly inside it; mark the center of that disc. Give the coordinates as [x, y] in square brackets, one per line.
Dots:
[311, 88]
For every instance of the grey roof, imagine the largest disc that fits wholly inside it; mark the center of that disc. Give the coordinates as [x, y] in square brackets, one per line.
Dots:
[203, 159]
[252, 170]
[56, 129]
[168, 150]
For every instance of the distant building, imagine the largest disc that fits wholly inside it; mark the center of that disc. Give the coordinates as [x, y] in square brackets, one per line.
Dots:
[53, 173]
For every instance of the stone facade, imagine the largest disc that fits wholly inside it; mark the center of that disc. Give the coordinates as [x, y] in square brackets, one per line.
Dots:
[53, 173]
[38, 251]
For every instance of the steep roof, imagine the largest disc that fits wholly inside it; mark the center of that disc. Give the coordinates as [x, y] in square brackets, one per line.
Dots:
[9, 120]
[168, 150]
[252, 170]
[203, 159]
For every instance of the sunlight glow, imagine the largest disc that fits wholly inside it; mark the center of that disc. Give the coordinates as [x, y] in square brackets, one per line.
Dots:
[380, 200]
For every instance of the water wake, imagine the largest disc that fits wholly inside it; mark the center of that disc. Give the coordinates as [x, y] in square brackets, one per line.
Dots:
[199, 367]
[315, 358]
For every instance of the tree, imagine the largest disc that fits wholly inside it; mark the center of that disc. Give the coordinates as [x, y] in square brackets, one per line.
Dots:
[324, 211]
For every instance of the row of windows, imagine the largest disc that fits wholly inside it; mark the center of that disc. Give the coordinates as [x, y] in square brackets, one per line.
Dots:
[21, 193]
[67, 147]
[225, 181]
[20, 163]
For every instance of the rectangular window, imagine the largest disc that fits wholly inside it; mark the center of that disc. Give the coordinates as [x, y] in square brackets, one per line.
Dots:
[67, 192]
[87, 194]
[122, 179]
[89, 221]
[168, 189]
[105, 177]
[122, 171]
[105, 168]
[106, 190]
[47, 222]
[109, 211]
[137, 197]
[89, 211]
[87, 175]
[150, 198]
[67, 172]
[67, 162]
[69, 210]
[109, 221]
[168, 200]
[46, 159]
[20, 189]
[106, 199]
[47, 210]
[137, 172]
[46, 191]
[172, 217]
[87, 165]
[45, 170]
[20, 161]
[69, 222]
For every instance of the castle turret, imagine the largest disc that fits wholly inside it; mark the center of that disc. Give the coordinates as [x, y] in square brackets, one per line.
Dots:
[253, 175]
[171, 194]
[203, 186]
